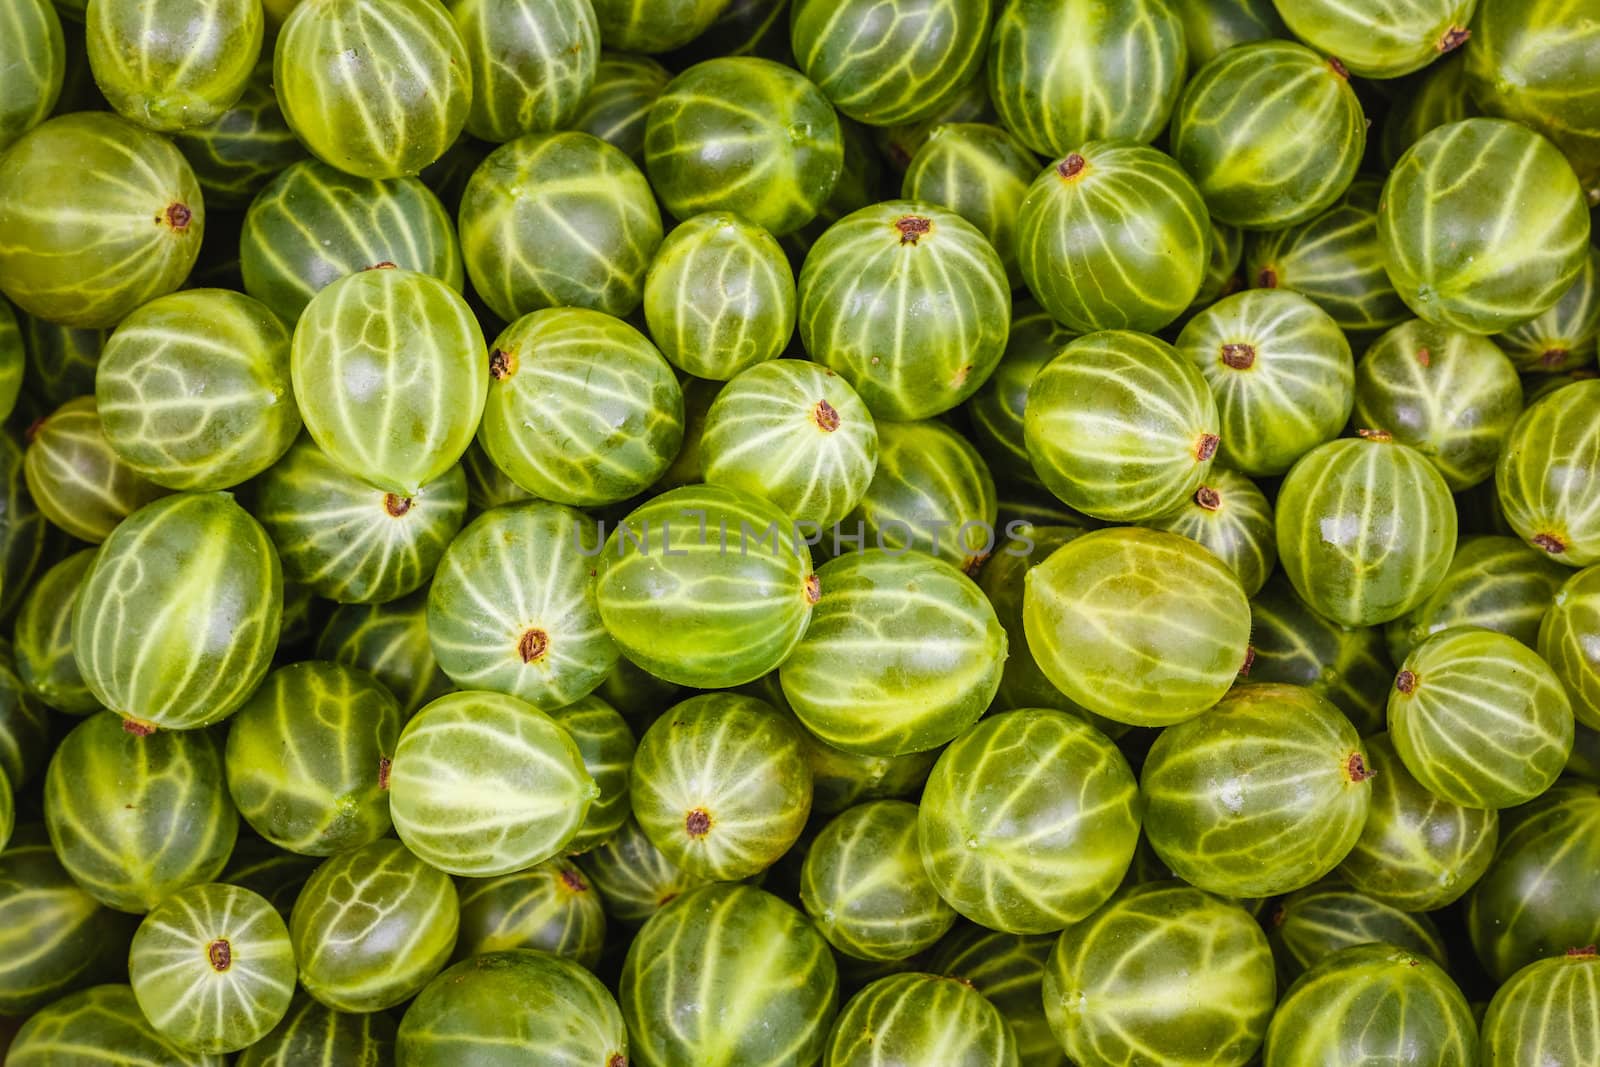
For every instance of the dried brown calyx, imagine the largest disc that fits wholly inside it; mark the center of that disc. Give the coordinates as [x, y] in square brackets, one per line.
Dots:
[1206, 447]
[813, 589]
[913, 228]
[1453, 38]
[33, 429]
[826, 416]
[971, 565]
[178, 216]
[1266, 278]
[1550, 543]
[1071, 167]
[1249, 660]
[1356, 768]
[1587, 952]
[1339, 68]
[501, 364]
[574, 880]
[1406, 682]
[137, 728]
[1424, 357]
[617, 1060]
[396, 505]
[1239, 356]
[220, 953]
[697, 823]
[385, 764]
[1381, 436]
[1208, 498]
[533, 644]
[1553, 357]
[387, 264]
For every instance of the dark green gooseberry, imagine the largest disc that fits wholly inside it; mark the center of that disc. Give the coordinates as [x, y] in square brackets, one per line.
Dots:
[606, 743]
[137, 814]
[1478, 718]
[863, 883]
[721, 785]
[1429, 99]
[1545, 477]
[13, 359]
[654, 25]
[236, 154]
[1366, 528]
[1269, 85]
[312, 1035]
[635, 879]
[979, 171]
[899, 145]
[391, 642]
[56, 937]
[1451, 395]
[212, 968]
[997, 410]
[742, 28]
[1263, 794]
[178, 618]
[44, 660]
[618, 103]
[930, 492]
[1062, 74]
[1029, 821]
[269, 871]
[582, 408]
[1461, 180]
[1335, 260]
[920, 1018]
[34, 58]
[1163, 973]
[1532, 61]
[492, 1009]
[1566, 642]
[698, 549]
[390, 374]
[1008, 969]
[27, 732]
[1418, 851]
[484, 784]
[1540, 897]
[1372, 1002]
[104, 1027]
[75, 478]
[1550, 1008]
[1281, 373]
[720, 296]
[1494, 583]
[890, 67]
[348, 541]
[1313, 924]
[746, 135]
[582, 203]
[1140, 626]
[372, 927]
[1211, 27]
[1119, 426]
[728, 975]
[194, 389]
[177, 71]
[26, 543]
[1113, 236]
[909, 303]
[61, 360]
[1380, 38]
[314, 224]
[408, 105]
[1229, 516]
[1563, 338]
[90, 267]
[532, 63]
[308, 758]
[904, 618]
[550, 907]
